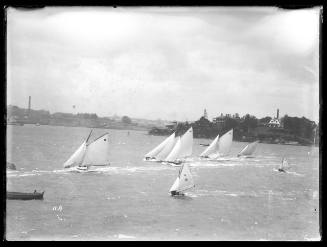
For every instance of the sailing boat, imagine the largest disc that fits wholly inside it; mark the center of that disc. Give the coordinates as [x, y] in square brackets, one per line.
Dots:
[249, 149]
[219, 146]
[183, 182]
[173, 149]
[161, 150]
[283, 165]
[88, 154]
[213, 148]
[182, 149]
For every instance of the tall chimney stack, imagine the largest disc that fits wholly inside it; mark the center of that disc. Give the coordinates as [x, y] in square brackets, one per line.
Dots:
[29, 104]
[277, 113]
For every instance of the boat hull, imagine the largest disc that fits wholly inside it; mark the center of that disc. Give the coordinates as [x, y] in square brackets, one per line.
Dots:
[24, 196]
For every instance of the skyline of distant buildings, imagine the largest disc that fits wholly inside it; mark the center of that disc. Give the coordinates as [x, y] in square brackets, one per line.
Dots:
[273, 123]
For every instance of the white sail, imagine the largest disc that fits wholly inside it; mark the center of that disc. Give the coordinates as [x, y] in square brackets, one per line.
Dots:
[167, 149]
[97, 152]
[184, 181]
[77, 157]
[213, 147]
[160, 147]
[186, 144]
[175, 185]
[225, 143]
[173, 155]
[183, 147]
[284, 164]
[249, 149]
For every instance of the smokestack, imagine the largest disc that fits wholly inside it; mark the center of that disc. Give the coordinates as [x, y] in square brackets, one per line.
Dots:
[29, 104]
[277, 113]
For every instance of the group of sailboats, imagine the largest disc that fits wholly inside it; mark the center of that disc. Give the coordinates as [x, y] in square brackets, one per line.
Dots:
[174, 150]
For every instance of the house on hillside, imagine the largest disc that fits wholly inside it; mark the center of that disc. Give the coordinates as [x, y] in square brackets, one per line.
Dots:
[275, 122]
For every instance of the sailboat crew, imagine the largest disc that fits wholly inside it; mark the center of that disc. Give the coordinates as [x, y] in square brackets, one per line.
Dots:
[281, 170]
[176, 193]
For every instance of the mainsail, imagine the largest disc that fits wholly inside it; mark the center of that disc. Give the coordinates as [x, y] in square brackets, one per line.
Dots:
[183, 147]
[186, 143]
[249, 149]
[225, 143]
[173, 155]
[154, 152]
[184, 180]
[94, 153]
[167, 149]
[213, 148]
[97, 152]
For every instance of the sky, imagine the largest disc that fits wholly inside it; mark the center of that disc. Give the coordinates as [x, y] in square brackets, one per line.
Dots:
[166, 63]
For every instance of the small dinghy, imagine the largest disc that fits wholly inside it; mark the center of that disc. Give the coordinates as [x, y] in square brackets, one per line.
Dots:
[183, 182]
[24, 196]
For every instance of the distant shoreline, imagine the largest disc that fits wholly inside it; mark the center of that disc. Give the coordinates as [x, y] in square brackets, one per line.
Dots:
[138, 128]
[248, 140]
[82, 126]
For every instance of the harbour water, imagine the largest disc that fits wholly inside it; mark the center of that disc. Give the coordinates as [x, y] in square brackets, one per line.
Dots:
[233, 199]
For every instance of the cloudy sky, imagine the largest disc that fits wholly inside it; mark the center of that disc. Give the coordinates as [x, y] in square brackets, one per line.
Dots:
[169, 63]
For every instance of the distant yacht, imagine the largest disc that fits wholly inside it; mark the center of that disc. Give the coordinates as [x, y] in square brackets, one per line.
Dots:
[173, 150]
[283, 166]
[88, 154]
[219, 147]
[248, 150]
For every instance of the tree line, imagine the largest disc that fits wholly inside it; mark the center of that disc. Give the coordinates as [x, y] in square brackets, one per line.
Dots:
[249, 128]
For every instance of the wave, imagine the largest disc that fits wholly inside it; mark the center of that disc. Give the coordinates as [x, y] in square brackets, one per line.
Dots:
[25, 174]
[290, 172]
[200, 193]
[295, 174]
[116, 169]
[231, 164]
[280, 195]
[124, 236]
[104, 170]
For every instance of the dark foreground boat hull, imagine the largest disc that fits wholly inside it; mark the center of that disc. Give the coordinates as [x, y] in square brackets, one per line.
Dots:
[24, 196]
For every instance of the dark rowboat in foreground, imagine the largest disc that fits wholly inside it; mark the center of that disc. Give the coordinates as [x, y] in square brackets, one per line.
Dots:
[24, 196]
